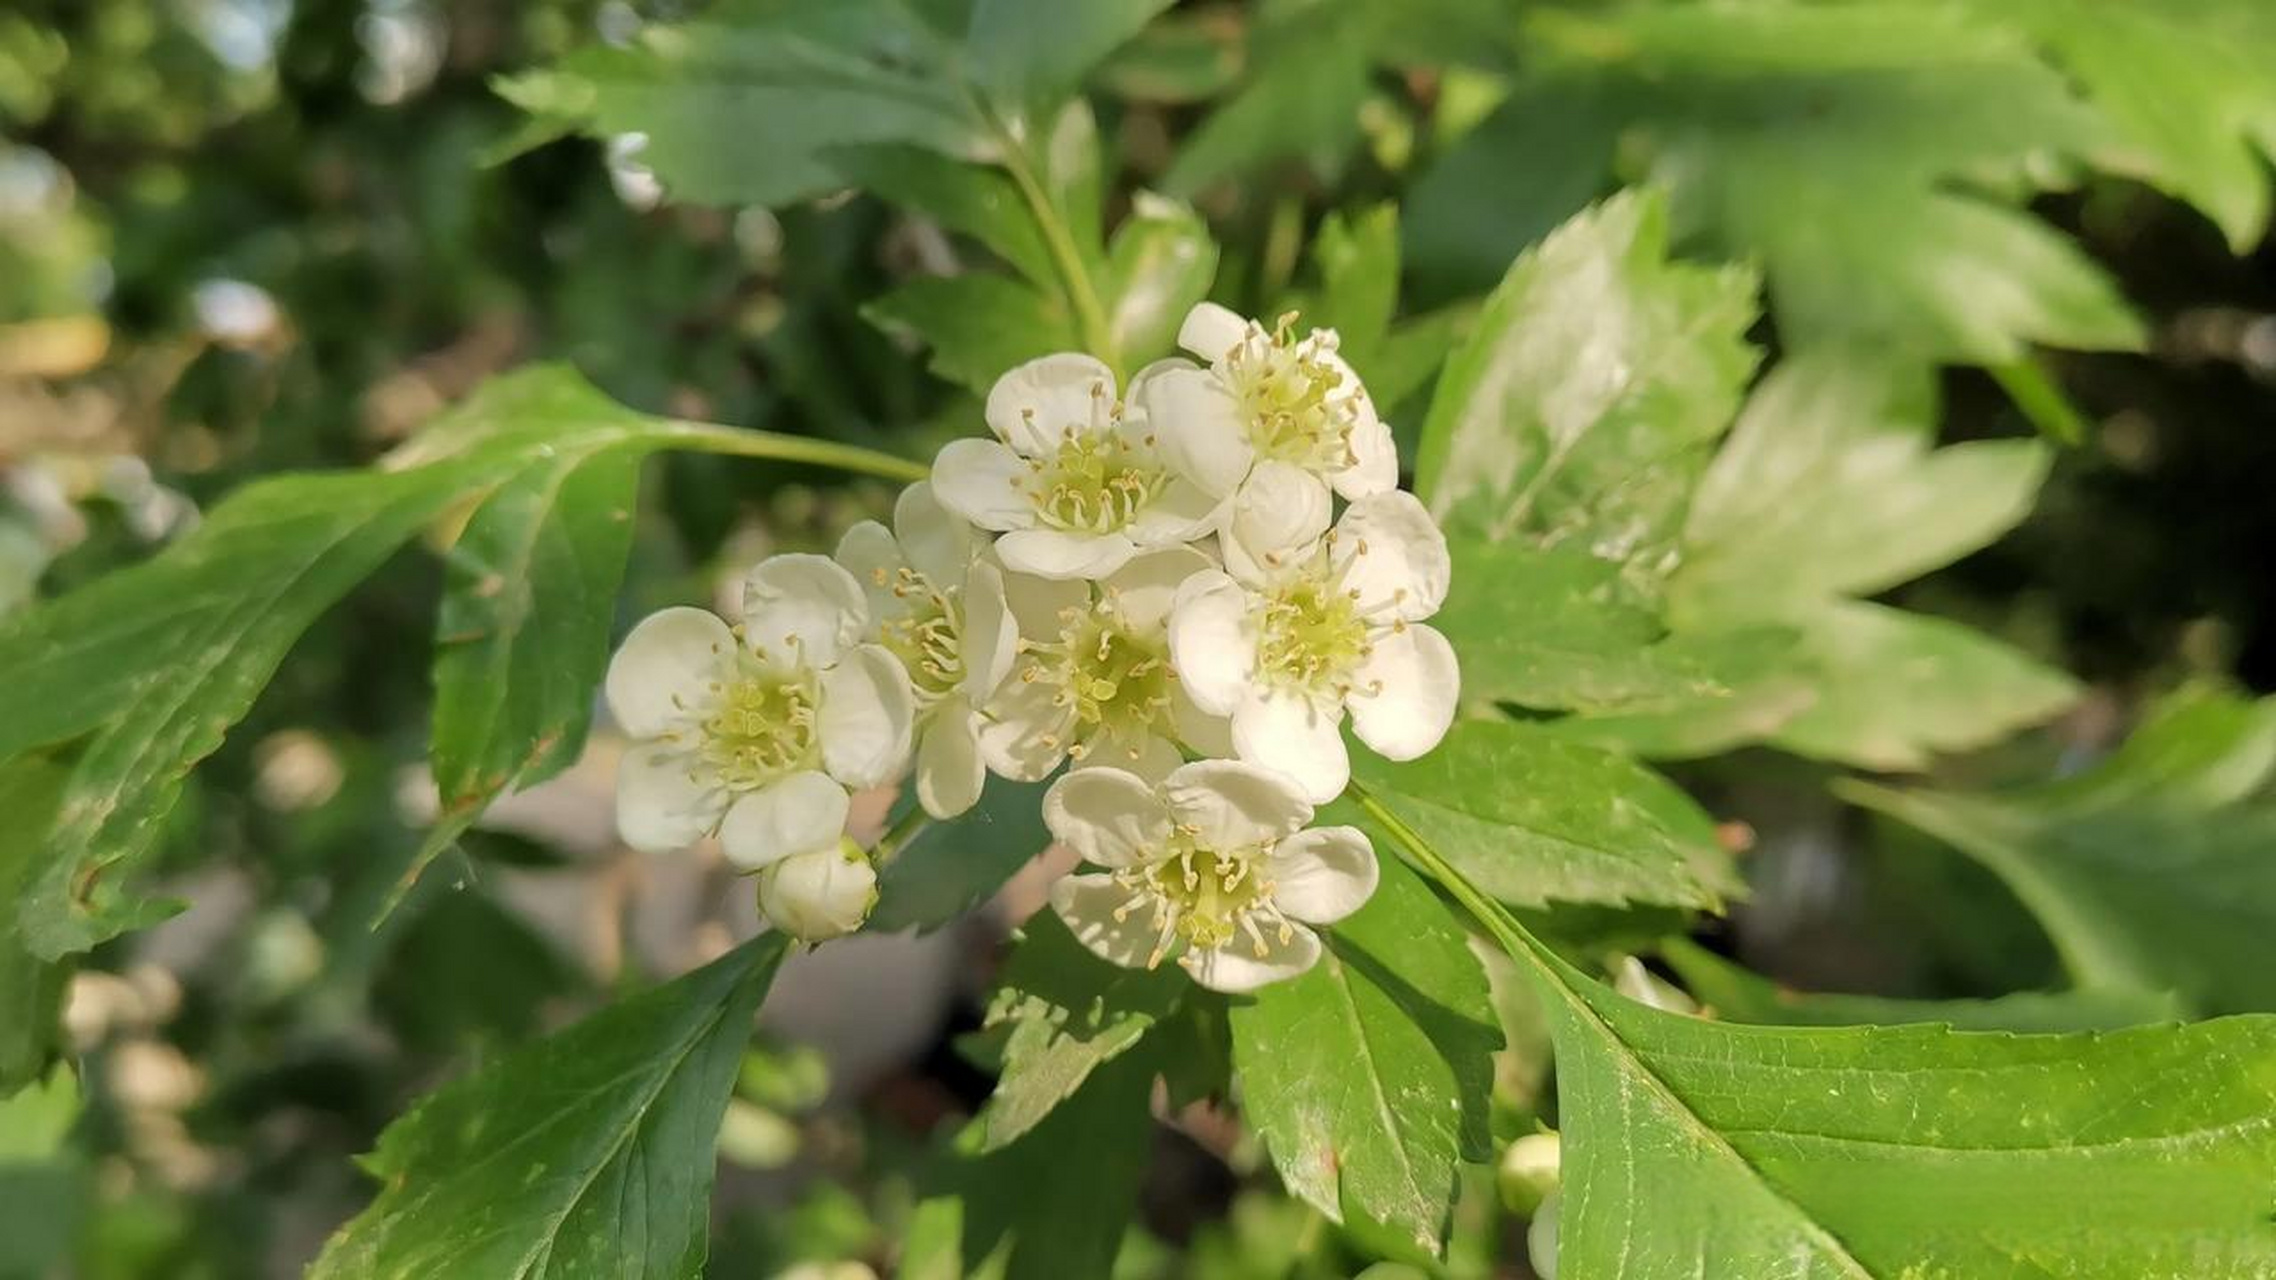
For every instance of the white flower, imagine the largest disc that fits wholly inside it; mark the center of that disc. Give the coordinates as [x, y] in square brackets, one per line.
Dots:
[821, 894]
[756, 731]
[1303, 630]
[1266, 394]
[1093, 679]
[1214, 867]
[1073, 479]
[938, 605]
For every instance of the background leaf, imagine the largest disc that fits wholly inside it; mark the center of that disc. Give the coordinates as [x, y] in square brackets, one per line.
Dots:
[953, 866]
[589, 1151]
[2150, 871]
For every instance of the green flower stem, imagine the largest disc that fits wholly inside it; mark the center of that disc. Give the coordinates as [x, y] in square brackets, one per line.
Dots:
[898, 836]
[1074, 277]
[709, 438]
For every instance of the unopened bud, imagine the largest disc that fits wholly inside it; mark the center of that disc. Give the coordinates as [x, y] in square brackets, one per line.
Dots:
[820, 895]
[1529, 1172]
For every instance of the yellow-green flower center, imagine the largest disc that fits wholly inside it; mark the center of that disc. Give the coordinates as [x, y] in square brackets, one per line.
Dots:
[1206, 897]
[1293, 397]
[1115, 678]
[1313, 635]
[927, 636]
[1094, 482]
[762, 728]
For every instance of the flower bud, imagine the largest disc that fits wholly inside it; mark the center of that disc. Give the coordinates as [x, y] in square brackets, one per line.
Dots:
[820, 895]
[1529, 1171]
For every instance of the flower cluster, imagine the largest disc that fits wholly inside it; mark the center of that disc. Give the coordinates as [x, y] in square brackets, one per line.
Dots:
[1113, 584]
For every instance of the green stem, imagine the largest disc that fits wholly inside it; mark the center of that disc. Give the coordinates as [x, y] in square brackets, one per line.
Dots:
[898, 836]
[709, 438]
[2041, 400]
[1059, 241]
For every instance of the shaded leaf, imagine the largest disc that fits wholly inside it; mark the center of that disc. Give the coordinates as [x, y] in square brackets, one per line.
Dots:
[2149, 871]
[1733, 994]
[1031, 53]
[952, 867]
[31, 988]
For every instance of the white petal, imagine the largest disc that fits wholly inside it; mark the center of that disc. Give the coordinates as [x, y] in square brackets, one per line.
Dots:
[1324, 874]
[1408, 713]
[1236, 967]
[1196, 427]
[1109, 818]
[1232, 804]
[980, 481]
[1206, 735]
[1031, 407]
[818, 896]
[1038, 605]
[661, 677]
[949, 771]
[1053, 553]
[1144, 591]
[802, 610]
[1148, 755]
[1209, 330]
[1377, 470]
[798, 814]
[664, 801]
[1212, 644]
[1023, 736]
[1299, 737]
[870, 553]
[987, 637]
[1181, 512]
[1389, 550]
[1087, 904]
[867, 714]
[937, 541]
[1276, 518]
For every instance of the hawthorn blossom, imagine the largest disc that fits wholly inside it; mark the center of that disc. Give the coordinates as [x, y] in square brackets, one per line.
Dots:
[938, 605]
[756, 731]
[1266, 394]
[1304, 625]
[1074, 479]
[820, 894]
[1093, 679]
[1214, 867]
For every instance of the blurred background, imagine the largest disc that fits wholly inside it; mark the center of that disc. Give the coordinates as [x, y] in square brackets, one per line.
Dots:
[244, 235]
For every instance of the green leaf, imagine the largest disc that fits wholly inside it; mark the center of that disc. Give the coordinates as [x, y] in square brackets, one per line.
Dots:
[1828, 486]
[2186, 90]
[746, 105]
[1160, 263]
[1733, 994]
[1532, 819]
[1368, 1076]
[1066, 1013]
[977, 326]
[1356, 258]
[1894, 688]
[2149, 871]
[952, 867]
[1914, 1151]
[1053, 1204]
[1867, 154]
[157, 661]
[588, 1152]
[972, 199]
[31, 987]
[528, 597]
[1032, 53]
[1559, 629]
[1583, 405]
